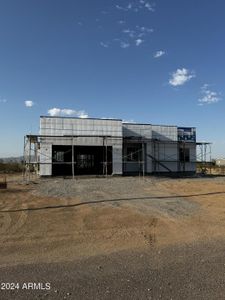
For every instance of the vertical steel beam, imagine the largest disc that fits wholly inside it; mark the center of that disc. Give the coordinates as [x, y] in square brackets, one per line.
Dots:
[72, 158]
[143, 159]
[106, 157]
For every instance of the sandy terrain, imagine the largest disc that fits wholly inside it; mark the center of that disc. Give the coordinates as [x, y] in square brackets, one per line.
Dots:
[71, 221]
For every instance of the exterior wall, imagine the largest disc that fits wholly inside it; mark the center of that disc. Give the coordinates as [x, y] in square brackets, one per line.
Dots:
[167, 154]
[191, 166]
[164, 133]
[137, 130]
[64, 128]
[57, 126]
[45, 158]
[159, 142]
[130, 166]
[220, 162]
[166, 151]
[117, 159]
[148, 161]
[162, 146]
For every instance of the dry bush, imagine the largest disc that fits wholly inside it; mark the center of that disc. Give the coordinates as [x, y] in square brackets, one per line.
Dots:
[11, 167]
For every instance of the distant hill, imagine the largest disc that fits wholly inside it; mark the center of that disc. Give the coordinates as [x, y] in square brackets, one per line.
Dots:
[11, 159]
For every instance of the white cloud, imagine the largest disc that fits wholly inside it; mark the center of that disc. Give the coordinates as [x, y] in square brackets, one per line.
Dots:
[108, 118]
[138, 42]
[159, 54]
[122, 8]
[139, 32]
[67, 112]
[82, 114]
[180, 77]
[129, 32]
[105, 45]
[135, 35]
[29, 103]
[144, 29]
[124, 45]
[129, 121]
[3, 100]
[137, 6]
[54, 112]
[121, 22]
[149, 6]
[208, 96]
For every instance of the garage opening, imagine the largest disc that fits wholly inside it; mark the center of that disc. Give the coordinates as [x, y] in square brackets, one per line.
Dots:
[88, 160]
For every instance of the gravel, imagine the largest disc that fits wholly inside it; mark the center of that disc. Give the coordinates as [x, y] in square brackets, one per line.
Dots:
[144, 194]
[194, 271]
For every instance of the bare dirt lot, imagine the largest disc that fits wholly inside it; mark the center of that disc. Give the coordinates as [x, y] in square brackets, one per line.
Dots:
[100, 230]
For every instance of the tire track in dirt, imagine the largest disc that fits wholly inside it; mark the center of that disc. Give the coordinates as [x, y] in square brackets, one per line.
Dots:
[150, 234]
[12, 224]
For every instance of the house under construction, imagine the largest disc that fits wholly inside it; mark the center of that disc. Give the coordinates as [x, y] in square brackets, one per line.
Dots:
[74, 146]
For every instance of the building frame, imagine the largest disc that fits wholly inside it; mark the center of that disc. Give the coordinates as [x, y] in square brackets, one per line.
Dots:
[134, 149]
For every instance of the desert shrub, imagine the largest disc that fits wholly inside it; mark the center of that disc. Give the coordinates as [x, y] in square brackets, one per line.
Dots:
[11, 167]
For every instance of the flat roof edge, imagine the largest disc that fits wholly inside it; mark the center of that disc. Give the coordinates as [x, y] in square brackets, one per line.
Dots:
[60, 117]
[114, 119]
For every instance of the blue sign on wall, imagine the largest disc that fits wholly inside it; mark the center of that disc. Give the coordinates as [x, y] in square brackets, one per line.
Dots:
[187, 134]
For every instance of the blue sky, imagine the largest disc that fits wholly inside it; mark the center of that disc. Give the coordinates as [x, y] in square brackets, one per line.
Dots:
[158, 62]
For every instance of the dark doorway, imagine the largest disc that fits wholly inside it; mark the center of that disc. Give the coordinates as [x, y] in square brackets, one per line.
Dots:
[61, 160]
[184, 154]
[94, 160]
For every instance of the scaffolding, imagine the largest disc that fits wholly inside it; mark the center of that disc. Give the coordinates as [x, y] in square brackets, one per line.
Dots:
[32, 154]
[204, 156]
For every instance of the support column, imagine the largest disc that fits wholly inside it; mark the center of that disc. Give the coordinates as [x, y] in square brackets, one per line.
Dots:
[143, 159]
[106, 157]
[72, 158]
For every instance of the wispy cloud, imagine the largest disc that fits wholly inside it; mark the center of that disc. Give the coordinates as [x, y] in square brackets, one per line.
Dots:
[3, 100]
[82, 114]
[109, 118]
[149, 6]
[144, 29]
[124, 45]
[105, 45]
[138, 32]
[129, 121]
[121, 22]
[29, 103]
[67, 112]
[135, 35]
[136, 6]
[138, 42]
[123, 8]
[159, 53]
[208, 96]
[180, 77]
[129, 32]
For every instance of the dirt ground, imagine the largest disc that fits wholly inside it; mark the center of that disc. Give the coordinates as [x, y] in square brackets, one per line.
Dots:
[64, 220]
